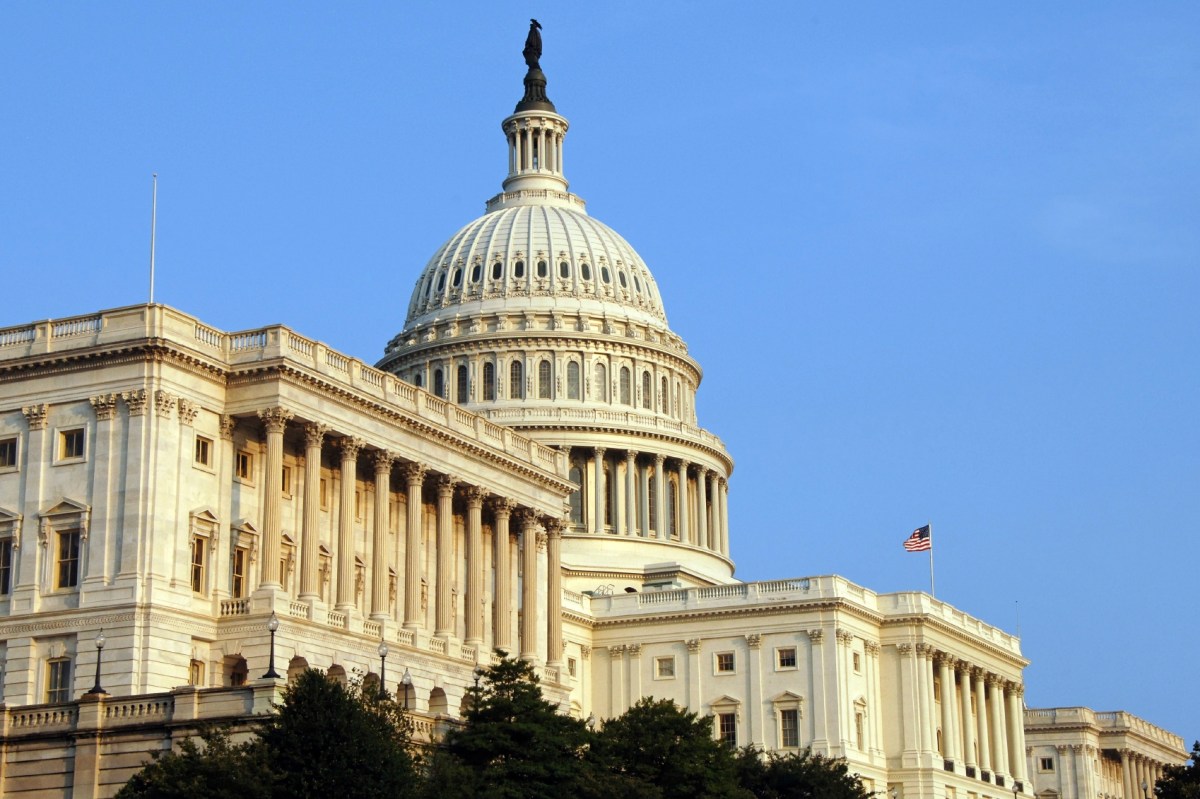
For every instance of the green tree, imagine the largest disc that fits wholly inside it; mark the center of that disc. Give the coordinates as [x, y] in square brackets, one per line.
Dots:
[1181, 782]
[659, 745]
[797, 775]
[214, 768]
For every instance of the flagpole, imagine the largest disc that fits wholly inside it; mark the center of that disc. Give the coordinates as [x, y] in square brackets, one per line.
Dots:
[153, 226]
[932, 592]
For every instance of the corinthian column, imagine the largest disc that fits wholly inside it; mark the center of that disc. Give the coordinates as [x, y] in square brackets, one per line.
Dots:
[996, 705]
[968, 725]
[275, 420]
[529, 582]
[554, 636]
[985, 751]
[345, 553]
[310, 544]
[502, 507]
[598, 468]
[660, 499]
[949, 733]
[379, 563]
[702, 507]
[444, 616]
[1016, 732]
[630, 493]
[473, 604]
[414, 474]
[685, 529]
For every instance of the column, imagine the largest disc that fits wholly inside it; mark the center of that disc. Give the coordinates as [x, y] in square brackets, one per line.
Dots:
[275, 420]
[414, 475]
[924, 678]
[630, 493]
[502, 507]
[996, 706]
[554, 635]
[1126, 776]
[702, 507]
[875, 711]
[685, 529]
[1016, 736]
[616, 680]
[714, 492]
[644, 500]
[345, 549]
[968, 724]
[529, 582]
[724, 517]
[985, 752]
[444, 610]
[598, 468]
[817, 672]
[310, 544]
[949, 734]
[660, 499]
[383, 461]
[473, 603]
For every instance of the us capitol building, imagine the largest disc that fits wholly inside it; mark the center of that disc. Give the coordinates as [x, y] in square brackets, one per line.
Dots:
[523, 470]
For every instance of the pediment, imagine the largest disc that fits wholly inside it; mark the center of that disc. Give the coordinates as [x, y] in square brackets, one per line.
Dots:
[725, 701]
[246, 526]
[66, 507]
[787, 696]
[7, 516]
[204, 514]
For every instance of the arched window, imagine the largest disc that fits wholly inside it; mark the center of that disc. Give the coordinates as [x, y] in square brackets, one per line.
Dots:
[604, 274]
[646, 390]
[564, 270]
[544, 380]
[439, 383]
[497, 270]
[678, 401]
[573, 380]
[516, 381]
[419, 380]
[600, 390]
[476, 273]
[585, 271]
[576, 476]
[624, 280]
[543, 269]
[663, 397]
[489, 382]
[464, 384]
[519, 269]
[626, 389]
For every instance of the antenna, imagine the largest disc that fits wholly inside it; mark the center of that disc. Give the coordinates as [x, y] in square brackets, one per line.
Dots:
[153, 230]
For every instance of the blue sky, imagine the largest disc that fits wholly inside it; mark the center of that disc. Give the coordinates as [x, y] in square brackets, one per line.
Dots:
[939, 261]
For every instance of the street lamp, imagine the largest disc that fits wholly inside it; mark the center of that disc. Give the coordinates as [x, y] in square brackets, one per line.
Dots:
[406, 681]
[1146, 789]
[97, 689]
[272, 625]
[383, 652]
[1016, 789]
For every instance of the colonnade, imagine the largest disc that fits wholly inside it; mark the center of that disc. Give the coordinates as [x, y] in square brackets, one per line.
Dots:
[976, 719]
[535, 532]
[535, 144]
[1137, 770]
[633, 497]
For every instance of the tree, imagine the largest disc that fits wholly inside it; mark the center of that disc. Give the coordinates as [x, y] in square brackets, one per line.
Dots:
[1181, 782]
[658, 744]
[219, 769]
[797, 775]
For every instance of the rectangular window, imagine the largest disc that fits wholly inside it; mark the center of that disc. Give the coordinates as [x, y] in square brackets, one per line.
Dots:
[68, 559]
[857, 662]
[58, 680]
[786, 657]
[572, 666]
[789, 728]
[243, 465]
[199, 545]
[6, 563]
[664, 667]
[858, 730]
[727, 728]
[725, 663]
[285, 481]
[1046, 763]
[196, 673]
[324, 490]
[238, 588]
[70, 444]
[204, 451]
[8, 452]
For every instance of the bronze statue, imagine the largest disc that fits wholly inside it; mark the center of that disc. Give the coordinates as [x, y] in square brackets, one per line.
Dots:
[533, 45]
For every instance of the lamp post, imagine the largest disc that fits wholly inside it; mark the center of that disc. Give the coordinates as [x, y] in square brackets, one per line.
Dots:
[383, 653]
[1146, 789]
[272, 625]
[1016, 789]
[97, 689]
[406, 681]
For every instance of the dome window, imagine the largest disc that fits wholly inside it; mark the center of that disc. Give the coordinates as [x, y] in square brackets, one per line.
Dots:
[457, 278]
[637, 284]
[604, 275]
[543, 269]
[497, 270]
[624, 280]
[441, 284]
[476, 273]
[585, 271]
[519, 269]
[564, 270]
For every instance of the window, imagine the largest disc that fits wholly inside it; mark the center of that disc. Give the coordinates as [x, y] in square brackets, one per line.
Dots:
[573, 380]
[476, 273]
[786, 657]
[497, 270]
[542, 269]
[600, 390]
[70, 444]
[464, 384]
[576, 476]
[323, 490]
[204, 451]
[664, 668]
[663, 396]
[238, 586]
[673, 509]
[441, 283]
[489, 381]
[646, 390]
[439, 383]
[285, 481]
[196, 673]
[1045, 764]
[544, 385]
[937, 683]
[727, 728]
[725, 663]
[652, 504]
[199, 544]
[243, 466]
[516, 380]
[8, 452]
[858, 731]
[67, 572]
[418, 380]
[564, 270]
[626, 387]
[858, 668]
[585, 271]
[624, 280]
[6, 564]
[457, 280]
[519, 269]
[572, 666]
[58, 680]
[604, 275]
[789, 728]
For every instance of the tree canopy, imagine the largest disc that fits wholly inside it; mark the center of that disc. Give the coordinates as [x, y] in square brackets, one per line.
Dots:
[1181, 782]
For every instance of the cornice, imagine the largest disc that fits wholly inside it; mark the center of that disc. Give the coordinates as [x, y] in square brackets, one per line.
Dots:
[738, 611]
[917, 620]
[719, 455]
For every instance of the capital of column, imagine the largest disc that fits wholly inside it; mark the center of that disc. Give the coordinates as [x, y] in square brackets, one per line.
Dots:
[844, 637]
[188, 410]
[599, 452]
[414, 473]
[314, 434]
[659, 459]
[105, 406]
[754, 641]
[616, 650]
[1016, 689]
[475, 496]
[445, 485]
[227, 424]
[993, 680]
[634, 650]
[872, 648]
[36, 415]
[630, 456]
[904, 649]
[977, 672]
[526, 518]
[350, 447]
[554, 526]
[136, 401]
[816, 636]
[693, 645]
[924, 649]
[275, 419]
[503, 506]
[383, 460]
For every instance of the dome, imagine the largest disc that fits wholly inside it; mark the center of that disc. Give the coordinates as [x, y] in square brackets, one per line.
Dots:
[540, 257]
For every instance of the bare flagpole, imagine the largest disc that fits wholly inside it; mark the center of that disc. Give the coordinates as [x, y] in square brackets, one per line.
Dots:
[153, 231]
[932, 592]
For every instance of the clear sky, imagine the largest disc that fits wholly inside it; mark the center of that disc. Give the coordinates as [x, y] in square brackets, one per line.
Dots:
[939, 260]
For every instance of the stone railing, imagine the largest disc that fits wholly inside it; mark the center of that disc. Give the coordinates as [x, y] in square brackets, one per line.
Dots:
[1108, 723]
[235, 607]
[604, 417]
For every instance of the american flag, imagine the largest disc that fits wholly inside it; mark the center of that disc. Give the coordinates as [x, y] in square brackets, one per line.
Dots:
[919, 541]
